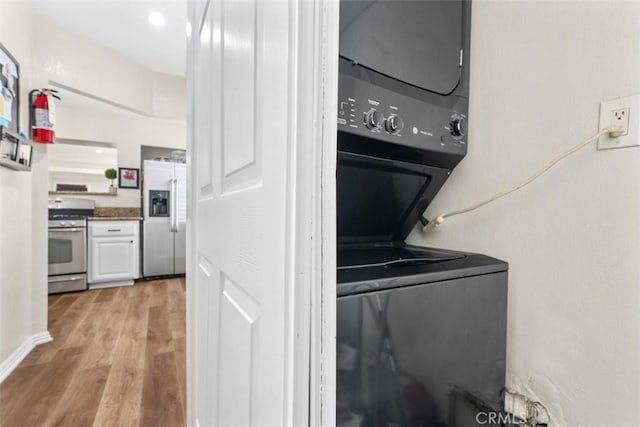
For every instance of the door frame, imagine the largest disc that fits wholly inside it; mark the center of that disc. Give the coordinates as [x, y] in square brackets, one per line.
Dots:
[315, 306]
[310, 357]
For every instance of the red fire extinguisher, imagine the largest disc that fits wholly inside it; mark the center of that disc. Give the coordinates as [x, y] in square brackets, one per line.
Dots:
[43, 115]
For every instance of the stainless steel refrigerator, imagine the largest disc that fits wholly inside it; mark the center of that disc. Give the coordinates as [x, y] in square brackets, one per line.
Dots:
[165, 218]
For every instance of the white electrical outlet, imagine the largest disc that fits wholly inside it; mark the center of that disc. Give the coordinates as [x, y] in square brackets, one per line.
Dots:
[620, 118]
[623, 112]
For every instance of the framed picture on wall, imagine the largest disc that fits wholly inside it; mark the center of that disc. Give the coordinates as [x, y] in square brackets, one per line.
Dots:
[9, 90]
[128, 178]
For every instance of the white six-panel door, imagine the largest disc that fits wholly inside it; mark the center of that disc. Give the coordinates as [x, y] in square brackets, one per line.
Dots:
[240, 190]
[257, 233]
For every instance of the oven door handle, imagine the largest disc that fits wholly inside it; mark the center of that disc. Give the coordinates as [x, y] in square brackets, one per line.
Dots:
[66, 279]
[61, 230]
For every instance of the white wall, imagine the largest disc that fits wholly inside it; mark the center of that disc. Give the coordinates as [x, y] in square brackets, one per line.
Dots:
[539, 71]
[73, 61]
[23, 221]
[160, 99]
[81, 164]
[129, 133]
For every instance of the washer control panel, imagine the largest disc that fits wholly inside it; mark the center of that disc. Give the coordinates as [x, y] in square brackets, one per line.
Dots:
[438, 124]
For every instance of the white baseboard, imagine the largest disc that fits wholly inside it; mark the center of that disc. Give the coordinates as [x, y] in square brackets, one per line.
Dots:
[10, 363]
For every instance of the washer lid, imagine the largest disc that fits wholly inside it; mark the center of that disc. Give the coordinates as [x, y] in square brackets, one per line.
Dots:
[416, 41]
[381, 200]
[360, 270]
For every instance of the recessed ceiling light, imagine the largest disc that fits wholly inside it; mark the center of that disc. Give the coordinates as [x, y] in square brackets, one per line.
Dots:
[99, 151]
[188, 29]
[156, 19]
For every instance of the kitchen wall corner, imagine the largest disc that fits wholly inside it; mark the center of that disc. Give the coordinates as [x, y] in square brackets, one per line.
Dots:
[23, 209]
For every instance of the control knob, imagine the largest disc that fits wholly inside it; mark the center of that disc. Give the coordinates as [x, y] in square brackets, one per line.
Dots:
[458, 126]
[394, 124]
[373, 119]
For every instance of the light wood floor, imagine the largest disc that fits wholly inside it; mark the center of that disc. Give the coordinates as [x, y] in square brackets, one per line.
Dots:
[117, 359]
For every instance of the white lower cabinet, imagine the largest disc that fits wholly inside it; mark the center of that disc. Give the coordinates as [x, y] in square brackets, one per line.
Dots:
[114, 253]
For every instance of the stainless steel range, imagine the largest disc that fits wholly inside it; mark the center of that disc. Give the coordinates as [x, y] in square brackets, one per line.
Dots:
[68, 244]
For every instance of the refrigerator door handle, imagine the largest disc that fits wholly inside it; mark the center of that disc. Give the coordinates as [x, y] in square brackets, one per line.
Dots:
[173, 204]
[175, 198]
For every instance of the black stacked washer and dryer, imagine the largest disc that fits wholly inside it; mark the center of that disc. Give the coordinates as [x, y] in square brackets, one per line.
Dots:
[421, 331]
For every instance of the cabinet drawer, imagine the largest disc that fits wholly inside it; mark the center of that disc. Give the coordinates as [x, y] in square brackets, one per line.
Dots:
[113, 228]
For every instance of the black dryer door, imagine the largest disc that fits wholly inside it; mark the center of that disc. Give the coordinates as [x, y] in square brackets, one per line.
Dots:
[416, 41]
